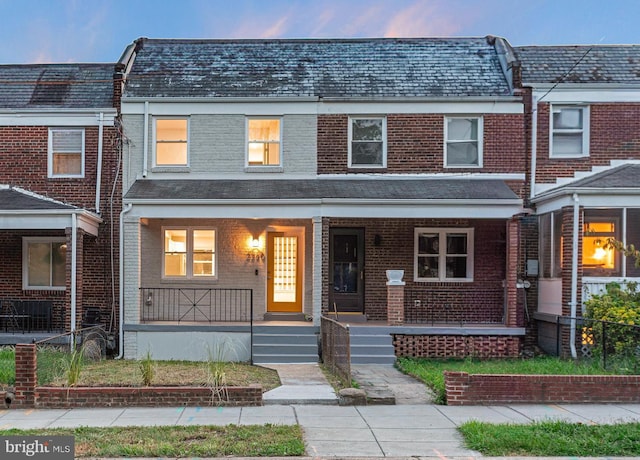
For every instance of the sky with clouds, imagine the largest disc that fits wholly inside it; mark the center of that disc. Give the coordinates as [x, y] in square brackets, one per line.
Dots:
[44, 31]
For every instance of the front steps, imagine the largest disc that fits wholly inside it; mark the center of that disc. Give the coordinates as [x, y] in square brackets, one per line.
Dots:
[370, 346]
[285, 344]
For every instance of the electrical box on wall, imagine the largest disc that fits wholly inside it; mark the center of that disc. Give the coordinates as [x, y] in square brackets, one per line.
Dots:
[532, 267]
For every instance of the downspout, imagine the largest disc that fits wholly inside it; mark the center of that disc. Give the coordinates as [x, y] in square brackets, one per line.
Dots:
[74, 269]
[121, 284]
[99, 167]
[145, 142]
[574, 275]
[534, 145]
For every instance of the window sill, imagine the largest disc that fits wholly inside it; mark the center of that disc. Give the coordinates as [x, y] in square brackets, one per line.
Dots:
[171, 169]
[263, 169]
[463, 166]
[568, 157]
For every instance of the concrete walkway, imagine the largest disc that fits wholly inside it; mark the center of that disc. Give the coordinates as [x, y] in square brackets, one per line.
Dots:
[330, 431]
[301, 384]
[384, 384]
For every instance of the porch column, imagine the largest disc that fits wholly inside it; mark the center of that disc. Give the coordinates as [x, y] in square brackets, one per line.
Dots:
[567, 270]
[511, 290]
[131, 231]
[395, 298]
[316, 295]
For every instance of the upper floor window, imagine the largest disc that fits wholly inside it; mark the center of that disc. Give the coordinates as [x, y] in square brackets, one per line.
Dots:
[263, 142]
[367, 142]
[463, 146]
[66, 152]
[569, 131]
[189, 253]
[44, 263]
[171, 141]
[443, 254]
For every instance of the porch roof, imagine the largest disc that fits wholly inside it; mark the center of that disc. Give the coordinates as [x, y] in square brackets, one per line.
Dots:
[429, 197]
[21, 209]
[618, 186]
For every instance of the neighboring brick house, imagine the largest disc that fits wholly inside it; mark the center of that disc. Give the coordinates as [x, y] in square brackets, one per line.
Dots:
[303, 170]
[584, 162]
[60, 198]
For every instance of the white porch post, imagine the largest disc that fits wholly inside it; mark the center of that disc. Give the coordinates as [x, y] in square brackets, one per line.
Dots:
[317, 270]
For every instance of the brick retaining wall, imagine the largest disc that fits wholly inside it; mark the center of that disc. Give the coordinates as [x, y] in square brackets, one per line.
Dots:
[465, 389]
[28, 394]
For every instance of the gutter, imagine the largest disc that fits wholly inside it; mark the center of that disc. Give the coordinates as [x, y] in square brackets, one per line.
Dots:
[99, 167]
[126, 209]
[145, 140]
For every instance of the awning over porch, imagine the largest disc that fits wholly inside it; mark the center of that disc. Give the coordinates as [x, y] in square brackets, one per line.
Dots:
[618, 186]
[21, 210]
[432, 197]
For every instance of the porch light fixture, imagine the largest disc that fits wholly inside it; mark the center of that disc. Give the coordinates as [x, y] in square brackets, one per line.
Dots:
[255, 254]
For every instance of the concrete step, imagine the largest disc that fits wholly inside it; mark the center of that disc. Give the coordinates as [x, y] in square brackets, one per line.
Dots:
[280, 358]
[285, 344]
[372, 359]
[371, 346]
[285, 339]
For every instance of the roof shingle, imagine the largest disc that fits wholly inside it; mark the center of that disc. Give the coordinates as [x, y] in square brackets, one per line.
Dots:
[359, 68]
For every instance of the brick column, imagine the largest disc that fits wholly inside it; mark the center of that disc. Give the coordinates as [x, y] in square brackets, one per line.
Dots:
[513, 245]
[395, 300]
[26, 378]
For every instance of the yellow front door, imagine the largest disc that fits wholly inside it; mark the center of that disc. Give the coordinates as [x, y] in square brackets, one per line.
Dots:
[284, 287]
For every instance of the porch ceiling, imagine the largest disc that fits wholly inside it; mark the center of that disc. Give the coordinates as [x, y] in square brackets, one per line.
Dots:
[432, 197]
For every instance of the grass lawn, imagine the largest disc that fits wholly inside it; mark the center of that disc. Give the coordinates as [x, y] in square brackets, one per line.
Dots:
[431, 371]
[181, 441]
[553, 438]
[53, 366]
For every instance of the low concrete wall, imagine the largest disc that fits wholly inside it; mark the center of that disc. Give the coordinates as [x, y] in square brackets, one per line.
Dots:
[475, 389]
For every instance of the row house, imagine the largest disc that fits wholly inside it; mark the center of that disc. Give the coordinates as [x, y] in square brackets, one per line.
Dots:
[60, 196]
[276, 181]
[584, 162]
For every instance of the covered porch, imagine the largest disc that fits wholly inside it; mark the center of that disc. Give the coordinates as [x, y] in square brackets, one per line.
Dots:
[42, 241]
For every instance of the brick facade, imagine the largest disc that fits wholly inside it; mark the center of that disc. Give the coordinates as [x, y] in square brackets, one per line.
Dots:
[609, 139]
[480, 301]
[415, 144]
[467, 389]
[97, 263]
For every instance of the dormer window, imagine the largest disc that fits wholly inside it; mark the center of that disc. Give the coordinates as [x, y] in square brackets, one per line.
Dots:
[367, 142]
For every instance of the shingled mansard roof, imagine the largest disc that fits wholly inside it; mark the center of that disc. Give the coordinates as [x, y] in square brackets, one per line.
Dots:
[612, 64]
[336, 68]
[299, 189]
[56, 86]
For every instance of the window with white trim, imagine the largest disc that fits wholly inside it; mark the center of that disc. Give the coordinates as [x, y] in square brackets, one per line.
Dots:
[443, 254]
[463, 146]
[44, 263]
[263, 142]
[367, 142]
[66, 152]
[569, 131]
[189, 253]
[171, 137]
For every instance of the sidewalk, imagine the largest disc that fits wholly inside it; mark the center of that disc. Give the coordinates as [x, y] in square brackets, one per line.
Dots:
[329, 431]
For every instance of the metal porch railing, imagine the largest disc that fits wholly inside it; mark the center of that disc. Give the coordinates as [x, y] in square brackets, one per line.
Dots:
[196, 305]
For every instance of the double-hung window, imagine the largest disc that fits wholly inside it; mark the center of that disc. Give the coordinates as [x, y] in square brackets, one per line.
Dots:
[443, 254]
[569, 131]
[171, 142]
[44, 263]
[66, 152]
[263, 142]
[463, 146]
[189, 253]
[367, 142]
